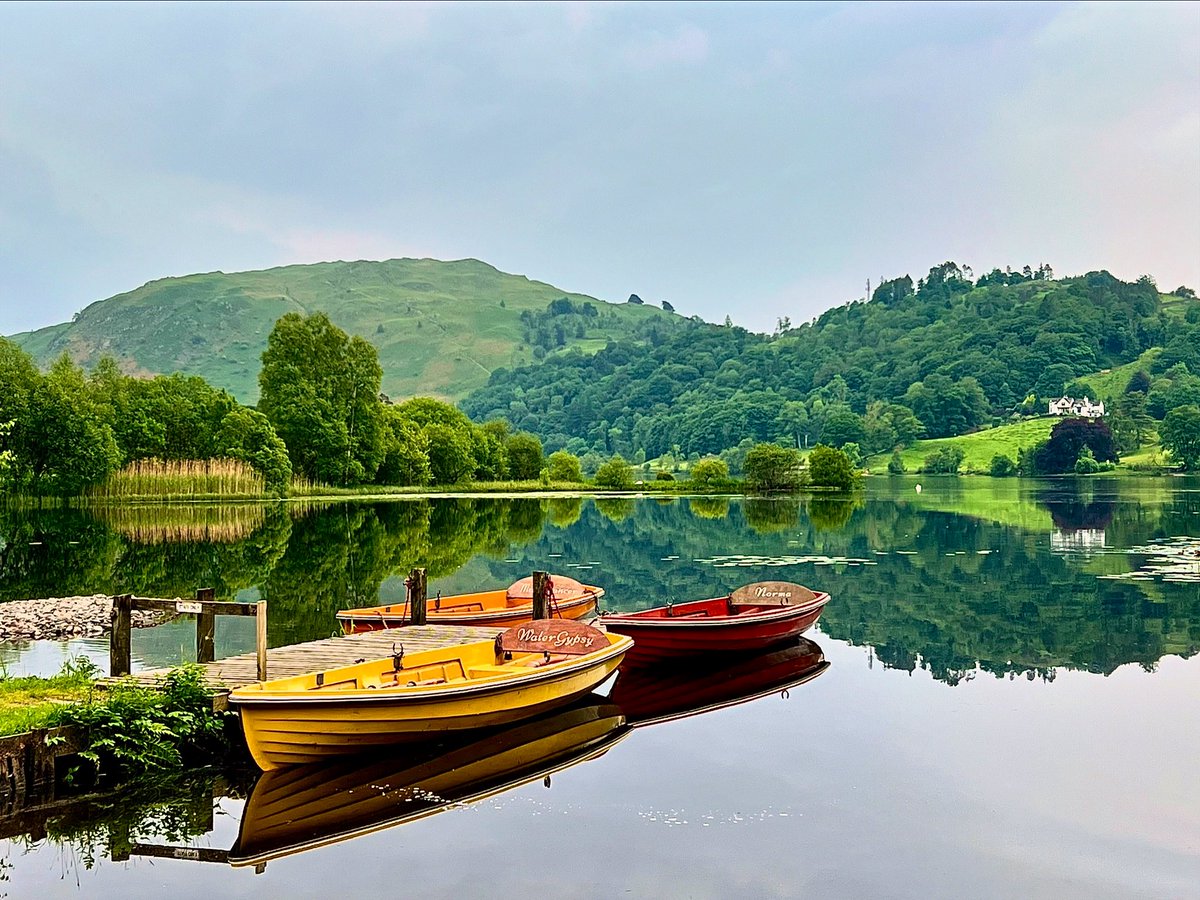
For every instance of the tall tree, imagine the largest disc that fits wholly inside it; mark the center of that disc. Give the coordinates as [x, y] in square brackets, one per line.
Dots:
[320, 390]
[1180, 434]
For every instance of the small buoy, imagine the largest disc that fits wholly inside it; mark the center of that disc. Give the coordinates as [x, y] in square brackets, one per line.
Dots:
[918, 488]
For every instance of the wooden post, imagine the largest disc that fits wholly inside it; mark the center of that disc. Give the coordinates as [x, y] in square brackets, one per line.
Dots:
[119, 645]
[260, 637]
[206, 627]
[418, 596]
[541, 585]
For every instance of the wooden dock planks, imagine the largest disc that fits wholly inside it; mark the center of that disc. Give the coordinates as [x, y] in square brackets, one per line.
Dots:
[223, 675]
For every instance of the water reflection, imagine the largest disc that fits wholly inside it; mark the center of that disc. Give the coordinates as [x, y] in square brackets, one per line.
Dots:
[1003, 576]
[300, 808]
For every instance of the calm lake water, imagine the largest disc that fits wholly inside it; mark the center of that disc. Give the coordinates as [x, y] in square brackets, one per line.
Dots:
[1011, 706]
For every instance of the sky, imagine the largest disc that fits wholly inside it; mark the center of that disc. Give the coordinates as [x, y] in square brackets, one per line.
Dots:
[755, 161]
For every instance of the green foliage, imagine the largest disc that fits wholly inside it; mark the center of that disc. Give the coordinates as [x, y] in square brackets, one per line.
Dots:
[896, 465]
[564, 467]
[769, 468]
[247, 435]
[133, 729]
[1002, 466]
[945, 461]
[709, 472]
[31, 702]
[615, 474]
[1068, 439]
[1086, 463]
[525, 458]
[451, 453]
[320, 390]
[830, 468]
[405, 451]
[1180, 435]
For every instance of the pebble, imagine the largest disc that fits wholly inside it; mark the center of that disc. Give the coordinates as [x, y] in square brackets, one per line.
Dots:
[63, 618]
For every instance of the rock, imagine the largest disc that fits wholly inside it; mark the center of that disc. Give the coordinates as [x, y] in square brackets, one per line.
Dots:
[62, 618]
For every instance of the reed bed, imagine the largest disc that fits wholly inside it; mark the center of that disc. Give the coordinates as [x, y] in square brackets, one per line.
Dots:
[183, 523]
[182, 479]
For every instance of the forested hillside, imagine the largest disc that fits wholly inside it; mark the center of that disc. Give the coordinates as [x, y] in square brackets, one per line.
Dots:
[940, 357]
[440, 327]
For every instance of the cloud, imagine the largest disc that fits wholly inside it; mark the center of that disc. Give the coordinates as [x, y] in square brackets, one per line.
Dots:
[686, 45]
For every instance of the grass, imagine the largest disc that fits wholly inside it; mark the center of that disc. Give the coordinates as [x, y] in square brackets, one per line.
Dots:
[979, 447]
[1111, 383]
[440, 327]
[29, 702]
[185, 479]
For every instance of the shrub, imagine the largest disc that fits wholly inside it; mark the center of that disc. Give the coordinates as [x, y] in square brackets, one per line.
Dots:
[769, 467]
[830, 468]
[710, 472]
[564, 466]
[944, 461]
[615, 474]
[896, 464]
[1002, 466]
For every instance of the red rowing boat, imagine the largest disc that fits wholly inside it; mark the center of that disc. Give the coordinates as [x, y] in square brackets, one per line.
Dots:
[751, 618]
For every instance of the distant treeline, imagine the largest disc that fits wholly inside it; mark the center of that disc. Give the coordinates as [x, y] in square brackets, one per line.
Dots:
[939, 358]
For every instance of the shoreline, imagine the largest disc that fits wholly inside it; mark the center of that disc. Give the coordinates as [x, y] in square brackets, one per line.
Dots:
[64, 618]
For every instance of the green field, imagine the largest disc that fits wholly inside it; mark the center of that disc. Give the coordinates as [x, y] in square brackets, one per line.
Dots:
[440, 327]
[979, 447]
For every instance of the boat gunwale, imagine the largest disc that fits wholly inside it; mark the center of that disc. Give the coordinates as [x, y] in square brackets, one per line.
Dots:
[397, 610]
[758, 617]
[368, 615]
[406, 694]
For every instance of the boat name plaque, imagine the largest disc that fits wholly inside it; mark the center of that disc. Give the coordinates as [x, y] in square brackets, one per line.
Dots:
[772, 593]
[188, 606]
[551, 636]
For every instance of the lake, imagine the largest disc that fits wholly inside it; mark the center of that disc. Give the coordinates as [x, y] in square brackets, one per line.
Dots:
[1011, 705]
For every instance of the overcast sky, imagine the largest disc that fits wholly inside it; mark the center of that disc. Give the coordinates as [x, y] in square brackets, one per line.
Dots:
[741, 160]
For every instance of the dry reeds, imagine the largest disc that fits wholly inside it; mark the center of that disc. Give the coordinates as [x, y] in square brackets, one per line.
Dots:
[182, 479]
[184, 523]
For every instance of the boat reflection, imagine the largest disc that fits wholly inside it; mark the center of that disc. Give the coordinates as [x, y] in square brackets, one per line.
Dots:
[648, 695]
[303, 807]
[300, 808]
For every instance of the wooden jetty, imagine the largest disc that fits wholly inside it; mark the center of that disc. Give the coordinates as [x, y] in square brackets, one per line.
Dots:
[223, 675]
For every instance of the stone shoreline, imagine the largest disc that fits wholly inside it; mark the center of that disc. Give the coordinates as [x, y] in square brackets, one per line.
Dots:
[62, 618]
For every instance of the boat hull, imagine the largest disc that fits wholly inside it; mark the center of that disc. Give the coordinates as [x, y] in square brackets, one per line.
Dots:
[286, 729]
[662, 637]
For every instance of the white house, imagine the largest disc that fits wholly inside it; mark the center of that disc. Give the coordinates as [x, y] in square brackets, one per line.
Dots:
[1069, 406]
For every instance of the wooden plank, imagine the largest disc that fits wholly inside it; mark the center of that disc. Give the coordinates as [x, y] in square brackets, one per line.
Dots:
[218, 607]
[196, 854]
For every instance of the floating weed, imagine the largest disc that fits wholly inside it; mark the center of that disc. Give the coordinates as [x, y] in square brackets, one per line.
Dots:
[725, 562]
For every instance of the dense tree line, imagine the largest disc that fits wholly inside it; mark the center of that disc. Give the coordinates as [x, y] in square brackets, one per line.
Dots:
[938, 358]
[63, 431]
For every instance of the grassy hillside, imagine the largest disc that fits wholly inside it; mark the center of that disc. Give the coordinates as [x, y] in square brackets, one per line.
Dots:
[440, 327]
[979, 447]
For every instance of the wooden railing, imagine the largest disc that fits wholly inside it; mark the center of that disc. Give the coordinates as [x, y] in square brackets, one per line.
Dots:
[204, 608]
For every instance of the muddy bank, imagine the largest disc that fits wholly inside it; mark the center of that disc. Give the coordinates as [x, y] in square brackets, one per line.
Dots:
[62, 618]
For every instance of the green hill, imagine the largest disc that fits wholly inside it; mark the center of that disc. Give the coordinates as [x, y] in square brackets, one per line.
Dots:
[978, 447]
[441, 328]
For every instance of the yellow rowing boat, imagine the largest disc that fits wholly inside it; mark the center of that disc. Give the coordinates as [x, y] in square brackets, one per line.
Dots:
[527, 670]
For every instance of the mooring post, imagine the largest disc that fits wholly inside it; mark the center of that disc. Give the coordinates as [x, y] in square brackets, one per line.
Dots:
[260, 637]
[206, 627]
[119, 646]
[541, 590]
[417, 597]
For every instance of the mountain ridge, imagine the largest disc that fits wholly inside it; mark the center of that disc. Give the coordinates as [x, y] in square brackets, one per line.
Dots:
[440, 326]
